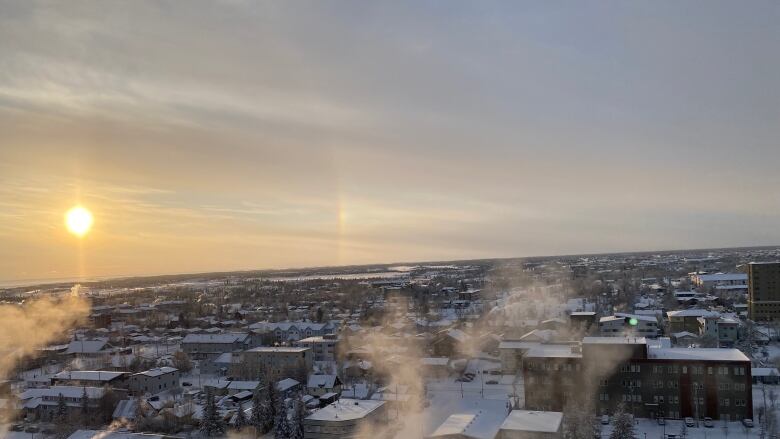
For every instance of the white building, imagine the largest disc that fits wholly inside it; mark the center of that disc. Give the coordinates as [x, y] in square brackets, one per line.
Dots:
[346, 418]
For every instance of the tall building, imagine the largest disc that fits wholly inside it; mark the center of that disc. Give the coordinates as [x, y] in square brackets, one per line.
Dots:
[763, 290]
[648, 380]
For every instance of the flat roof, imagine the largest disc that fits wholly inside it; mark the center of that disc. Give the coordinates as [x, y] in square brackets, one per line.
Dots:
[701, 354]
[534, 421]
[553, 351]
[289, 349]
[614, 340]
[346, 409]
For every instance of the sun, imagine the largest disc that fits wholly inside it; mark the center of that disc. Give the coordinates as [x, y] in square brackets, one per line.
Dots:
[78, 221]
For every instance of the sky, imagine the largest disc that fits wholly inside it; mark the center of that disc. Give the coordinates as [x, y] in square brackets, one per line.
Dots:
[210, 136]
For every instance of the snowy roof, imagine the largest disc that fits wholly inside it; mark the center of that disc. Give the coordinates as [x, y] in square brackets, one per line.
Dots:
[346, 409]
[88, 375]
[215, 338]
[701, 354]
[326, 381]
[553, 351]
[476, 424]
[286, 384]
[126, 408]
[695, 312]
[533, 421]
[289, 349]
[233, 384]
[106, 434]
[158, 371]
[434, 361]
[66, 391]
[614, 340]
[721, 277]
[86, 346]
[764, 371]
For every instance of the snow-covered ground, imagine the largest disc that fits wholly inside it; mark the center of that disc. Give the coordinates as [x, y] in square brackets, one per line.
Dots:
[649, 429]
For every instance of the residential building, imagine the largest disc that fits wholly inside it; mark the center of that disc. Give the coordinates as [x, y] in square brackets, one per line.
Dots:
[41, 404]
[650, 381]
[763, 290]
[319, 385]
[622, 324]
[688, 319]
[91, 378]
[324, 347]
[285, 332]
[346, 418]
[210, 346]
[154, 381]
[275, 362]
[525, 424]
[708, 282]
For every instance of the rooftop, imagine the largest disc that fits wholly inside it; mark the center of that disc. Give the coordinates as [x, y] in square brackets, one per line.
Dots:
[290, 349]
[540, 422]
[614, 340]
[346, 409]
[700, 354]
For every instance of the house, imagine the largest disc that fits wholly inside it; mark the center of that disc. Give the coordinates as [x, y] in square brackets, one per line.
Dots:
[41, 404]
[525, 424]
[283, 332]
[91, 378]
[765, 375]
[154, 381]
[350, 418]
[89, 348]
[688, 319]
[450, 342]
[287, 386]
[319, 385]
[435, 367]
[222, 387]
[108, 434]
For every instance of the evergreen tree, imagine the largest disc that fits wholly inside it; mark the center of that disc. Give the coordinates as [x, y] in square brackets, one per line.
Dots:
[241, 420]
[256, 418]
[84, 407]
[282, 422]
[211, 424]
[61, 414]
[298, 415]
[272, 400]
[622, 424]
[577, 422]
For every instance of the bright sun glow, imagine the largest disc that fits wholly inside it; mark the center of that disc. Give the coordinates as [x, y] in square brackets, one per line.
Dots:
[78, 220]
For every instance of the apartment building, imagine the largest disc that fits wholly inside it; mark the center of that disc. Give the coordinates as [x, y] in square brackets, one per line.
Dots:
[275, 362]
[650, 381]
[710, 281]
[210, 346]
[622, 324]
[154, 381]
[763, 290]
[323, 347]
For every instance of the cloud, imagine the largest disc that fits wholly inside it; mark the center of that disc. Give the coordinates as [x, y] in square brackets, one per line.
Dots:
[241, 135]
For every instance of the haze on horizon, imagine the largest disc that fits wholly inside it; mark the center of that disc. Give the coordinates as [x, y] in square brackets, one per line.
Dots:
[209, 136]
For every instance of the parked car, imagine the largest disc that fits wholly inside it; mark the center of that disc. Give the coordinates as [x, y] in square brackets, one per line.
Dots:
[604, 419]
[689, 422]
[708, 423]
[31, 429]
[747, 423]
[491, 382]
[661, 421]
